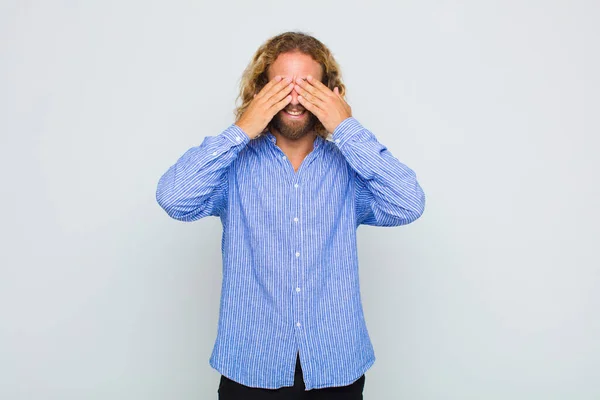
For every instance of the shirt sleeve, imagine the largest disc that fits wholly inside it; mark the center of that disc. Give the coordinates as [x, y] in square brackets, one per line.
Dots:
[386, 191]
[196, 185]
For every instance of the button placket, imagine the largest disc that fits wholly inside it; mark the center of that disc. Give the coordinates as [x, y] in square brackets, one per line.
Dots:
[297, 254]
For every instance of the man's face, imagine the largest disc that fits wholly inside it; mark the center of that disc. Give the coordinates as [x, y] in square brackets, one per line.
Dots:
[294, 65]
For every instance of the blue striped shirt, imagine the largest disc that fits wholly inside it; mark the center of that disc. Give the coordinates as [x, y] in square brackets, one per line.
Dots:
[290, 266]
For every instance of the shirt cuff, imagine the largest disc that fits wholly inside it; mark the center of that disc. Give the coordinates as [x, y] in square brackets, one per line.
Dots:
[345, 130]
[236, 135]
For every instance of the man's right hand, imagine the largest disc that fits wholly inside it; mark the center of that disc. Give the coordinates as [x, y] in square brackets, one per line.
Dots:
[268, 102]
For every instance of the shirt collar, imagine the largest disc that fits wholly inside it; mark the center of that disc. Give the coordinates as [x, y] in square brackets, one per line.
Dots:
[318, 139]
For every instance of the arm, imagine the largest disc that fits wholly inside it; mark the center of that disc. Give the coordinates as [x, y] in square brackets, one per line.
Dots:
[196, 185]
[386, 191]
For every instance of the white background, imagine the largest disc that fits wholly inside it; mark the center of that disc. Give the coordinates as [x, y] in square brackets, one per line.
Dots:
[491, 294]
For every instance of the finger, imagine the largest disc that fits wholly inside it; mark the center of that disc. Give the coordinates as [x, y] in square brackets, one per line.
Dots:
[301, 83]
[337, 92]
[310, 97]
[281, 85]
[277, 79]
[275, 108]
[318, 85]
[310, 107]
[280, 94]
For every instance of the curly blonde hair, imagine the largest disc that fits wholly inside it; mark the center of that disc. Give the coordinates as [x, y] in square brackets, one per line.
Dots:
[255, 77]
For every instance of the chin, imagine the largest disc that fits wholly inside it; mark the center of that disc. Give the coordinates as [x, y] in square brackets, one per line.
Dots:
[290, 128]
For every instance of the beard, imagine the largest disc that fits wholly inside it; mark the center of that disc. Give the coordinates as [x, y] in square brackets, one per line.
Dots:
[293, 129]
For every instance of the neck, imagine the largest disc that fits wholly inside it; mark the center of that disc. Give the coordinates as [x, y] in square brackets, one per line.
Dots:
[295, 148]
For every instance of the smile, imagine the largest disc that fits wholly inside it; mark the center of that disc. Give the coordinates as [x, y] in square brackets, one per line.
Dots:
[294, 113]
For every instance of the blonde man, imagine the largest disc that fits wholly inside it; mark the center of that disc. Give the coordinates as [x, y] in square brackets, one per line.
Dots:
[291, 181]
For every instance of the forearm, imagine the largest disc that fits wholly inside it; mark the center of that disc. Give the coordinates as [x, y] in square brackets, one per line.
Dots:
[195, 186]
[394, 194]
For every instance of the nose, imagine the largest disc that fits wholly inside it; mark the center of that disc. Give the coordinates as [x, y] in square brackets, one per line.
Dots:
[294, 97]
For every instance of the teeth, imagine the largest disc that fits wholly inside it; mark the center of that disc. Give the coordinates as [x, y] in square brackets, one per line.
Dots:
[295, 112]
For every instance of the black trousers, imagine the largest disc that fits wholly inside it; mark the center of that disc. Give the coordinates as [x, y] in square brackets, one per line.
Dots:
[231, 390]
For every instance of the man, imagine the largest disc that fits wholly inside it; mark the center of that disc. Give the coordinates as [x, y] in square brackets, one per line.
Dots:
[291, 180]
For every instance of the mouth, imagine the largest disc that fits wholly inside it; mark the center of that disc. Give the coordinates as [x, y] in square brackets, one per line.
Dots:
[295, 113]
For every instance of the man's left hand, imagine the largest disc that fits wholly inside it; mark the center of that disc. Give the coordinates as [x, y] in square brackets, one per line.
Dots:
[328, 105]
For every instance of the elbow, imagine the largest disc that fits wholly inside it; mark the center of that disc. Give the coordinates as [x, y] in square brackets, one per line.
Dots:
[420, 208]
[408, 213]
[414, 215]
[406, 216]
[178, 211]
[410, 205]
[416, 206]
[168, 203]
[165, 196]
[171, 203]
[181, 208]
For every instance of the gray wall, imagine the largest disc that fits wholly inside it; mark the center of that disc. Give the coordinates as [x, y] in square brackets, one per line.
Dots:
[492, 294]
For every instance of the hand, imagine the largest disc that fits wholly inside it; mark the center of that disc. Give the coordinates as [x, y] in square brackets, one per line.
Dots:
[329, 106]
[269, 101]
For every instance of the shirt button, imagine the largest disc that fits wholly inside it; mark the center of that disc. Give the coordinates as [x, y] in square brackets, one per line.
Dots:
[296, 219]
[215, 153]
[298, 324]
[297, 289]
[238, 138]
[296, 185]
[297, 254]
[337, 140]
[283, 157]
